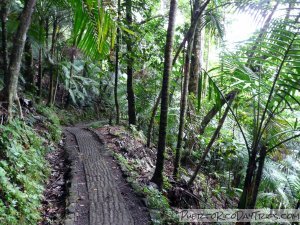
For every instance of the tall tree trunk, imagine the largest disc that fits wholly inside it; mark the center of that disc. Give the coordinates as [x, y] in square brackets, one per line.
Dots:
[246, 198]
[117, 67]
[51, 72]
[183, 106]
[40, 75]
[191, 30]
[29, 72]
[212, 140]
[4, 12]
[196, 53]
[57, 79]
[16, 53]
[130, 92]
[158, 173]
[40, 68]
[47, 32]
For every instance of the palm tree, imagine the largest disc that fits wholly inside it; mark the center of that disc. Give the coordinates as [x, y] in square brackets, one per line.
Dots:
[274, 91]
[158, 173]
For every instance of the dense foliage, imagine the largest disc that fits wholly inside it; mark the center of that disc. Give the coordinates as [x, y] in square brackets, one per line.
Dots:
[229, 114]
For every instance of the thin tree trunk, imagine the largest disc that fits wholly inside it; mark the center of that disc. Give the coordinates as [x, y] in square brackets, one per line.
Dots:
[29, 72]
[51, 73]
[183, 106]
[151, 123]
[16, 53]
[212, 140]
[55, 86]
[196, 53]
[158, 173]
[191, 30]
[155, 108]
[117, 67]
[40, 67]
[47, 33]
[4, 12]
[172, 91]
[130, 92]
[40, 75]
[214, 110]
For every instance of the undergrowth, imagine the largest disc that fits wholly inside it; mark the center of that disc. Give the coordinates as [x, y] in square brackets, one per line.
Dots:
[52, 123]
[73, 116]
[158, 204]
[23, 171]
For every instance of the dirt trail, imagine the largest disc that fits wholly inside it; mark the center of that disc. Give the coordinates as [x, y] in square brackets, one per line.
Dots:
[98, 194]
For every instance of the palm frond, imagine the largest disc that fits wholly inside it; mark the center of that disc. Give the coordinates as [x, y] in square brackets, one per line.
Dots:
[92, 28]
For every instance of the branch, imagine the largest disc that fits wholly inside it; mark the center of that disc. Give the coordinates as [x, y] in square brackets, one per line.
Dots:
[151, 18]
[284, 141]
[233, 114]
[191, 30]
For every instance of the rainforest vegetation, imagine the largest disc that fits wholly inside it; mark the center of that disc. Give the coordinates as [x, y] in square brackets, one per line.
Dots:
[222, 117]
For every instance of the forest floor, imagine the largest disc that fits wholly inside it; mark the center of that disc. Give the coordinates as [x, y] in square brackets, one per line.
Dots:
[105, 171]
[98, 192]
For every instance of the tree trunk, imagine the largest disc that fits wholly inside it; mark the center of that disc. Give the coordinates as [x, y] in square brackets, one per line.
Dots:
[252, 181]
[183, 106]
[258, 177]
[51, 73]
[117, 67]
[16, 53]
[40, 74]
[4, 12]
[196, 54]
[47, 32]
[29, 72]
[212, 140]
[151, 123]
[215, 109]
[57, 80]
[191, 30]
[158, 173]
[245, 199]
[130, 92]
